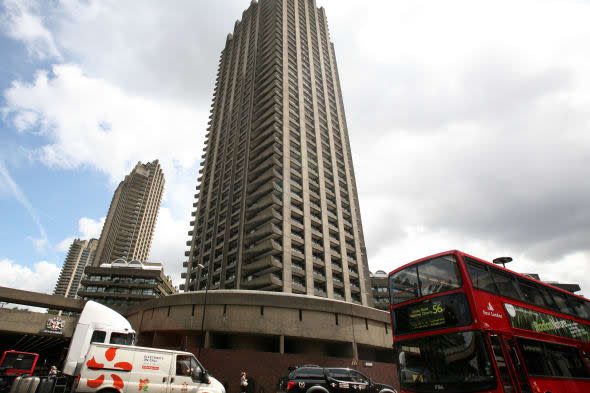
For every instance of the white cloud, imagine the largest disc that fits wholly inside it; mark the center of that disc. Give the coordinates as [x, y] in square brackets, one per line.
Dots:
[474, 118]
[90, 228]
[21, 20]
[41, 278]
[87, 229]
[168, 244]
[40, 244]
[7, 182]
[473, 114]
[95, 123]
[65, 244]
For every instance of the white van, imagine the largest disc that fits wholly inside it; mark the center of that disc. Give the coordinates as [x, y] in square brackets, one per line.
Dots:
[97, 323]
[112, 368]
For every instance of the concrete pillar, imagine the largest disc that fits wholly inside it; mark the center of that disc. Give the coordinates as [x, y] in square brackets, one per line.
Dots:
[207, 343]
[355, 352]
[281, 344]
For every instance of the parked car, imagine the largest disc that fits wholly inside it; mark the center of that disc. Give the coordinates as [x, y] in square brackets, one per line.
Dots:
[316, 379]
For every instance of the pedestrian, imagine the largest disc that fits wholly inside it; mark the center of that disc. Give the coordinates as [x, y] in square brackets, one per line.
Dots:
[243, 382]
[52, 373]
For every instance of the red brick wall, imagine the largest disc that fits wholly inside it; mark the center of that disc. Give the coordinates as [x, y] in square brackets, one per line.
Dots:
[266, 367]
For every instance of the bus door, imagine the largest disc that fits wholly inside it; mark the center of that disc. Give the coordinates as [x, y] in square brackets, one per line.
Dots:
[515, 364]
[586, 356]
[506, 376]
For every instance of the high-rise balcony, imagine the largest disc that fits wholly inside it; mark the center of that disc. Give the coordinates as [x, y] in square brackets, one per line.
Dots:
[262, 190]
[271, 162]
[261, 155]
[259, 232]
[265, 263]
[262, 203]
[253, 249]
[268, 155]
[258, 181]
[261, 145]
[268, 281]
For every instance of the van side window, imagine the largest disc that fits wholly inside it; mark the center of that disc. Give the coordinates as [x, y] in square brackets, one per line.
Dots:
[98, 336]
[195, 367]
[183, 365]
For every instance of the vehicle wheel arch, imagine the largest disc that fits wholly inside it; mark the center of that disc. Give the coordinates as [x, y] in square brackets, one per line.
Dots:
[317, 389]
[108, 390]
[387, 391]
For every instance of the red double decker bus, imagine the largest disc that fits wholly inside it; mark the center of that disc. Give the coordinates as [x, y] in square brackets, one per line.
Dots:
[461, 324]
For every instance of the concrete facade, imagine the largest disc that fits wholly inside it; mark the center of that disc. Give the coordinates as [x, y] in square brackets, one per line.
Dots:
[80, 255]
[129, 227]
[121, 284]
[380, 290]
[265, 332]
[277, 206]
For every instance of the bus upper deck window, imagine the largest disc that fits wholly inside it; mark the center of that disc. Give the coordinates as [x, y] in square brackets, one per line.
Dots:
[439, 275]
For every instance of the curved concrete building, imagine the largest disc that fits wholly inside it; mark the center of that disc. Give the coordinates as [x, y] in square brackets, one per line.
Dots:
[264, 332]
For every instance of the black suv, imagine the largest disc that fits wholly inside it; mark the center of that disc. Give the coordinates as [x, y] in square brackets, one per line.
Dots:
[316, 379]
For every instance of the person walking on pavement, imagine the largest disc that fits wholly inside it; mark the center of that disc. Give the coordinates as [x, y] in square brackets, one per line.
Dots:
[243, 382]
[52, 373]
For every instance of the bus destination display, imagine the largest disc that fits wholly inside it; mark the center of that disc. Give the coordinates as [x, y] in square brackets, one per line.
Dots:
[536, 321]
[437, 313]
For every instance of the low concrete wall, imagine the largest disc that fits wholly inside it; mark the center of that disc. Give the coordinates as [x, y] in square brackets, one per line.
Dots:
[263, 333]
[265, 313]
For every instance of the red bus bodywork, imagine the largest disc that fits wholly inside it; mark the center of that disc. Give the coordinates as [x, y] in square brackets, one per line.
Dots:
[490, 318]
[17, 362]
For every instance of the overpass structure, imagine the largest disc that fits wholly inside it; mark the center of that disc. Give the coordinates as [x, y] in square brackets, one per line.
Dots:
[47, 334]
[36, 299]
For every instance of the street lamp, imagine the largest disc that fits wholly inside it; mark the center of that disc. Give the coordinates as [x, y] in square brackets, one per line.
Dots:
[502, 260]
[200, 265]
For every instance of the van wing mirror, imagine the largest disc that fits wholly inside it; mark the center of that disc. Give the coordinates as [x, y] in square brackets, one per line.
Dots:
[204, 376]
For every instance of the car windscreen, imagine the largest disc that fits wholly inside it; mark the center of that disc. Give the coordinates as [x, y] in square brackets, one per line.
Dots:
[455, 362]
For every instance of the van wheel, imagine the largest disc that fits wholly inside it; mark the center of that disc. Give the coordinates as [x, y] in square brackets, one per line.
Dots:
[108, 390]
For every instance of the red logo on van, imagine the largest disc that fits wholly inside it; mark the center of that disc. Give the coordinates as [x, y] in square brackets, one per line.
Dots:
[109, 355]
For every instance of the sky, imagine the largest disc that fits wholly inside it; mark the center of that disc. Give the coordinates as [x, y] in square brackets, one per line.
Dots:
[468, 121]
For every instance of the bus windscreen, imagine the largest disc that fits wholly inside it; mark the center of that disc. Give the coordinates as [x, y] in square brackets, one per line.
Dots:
[441, 312]
[455, 362]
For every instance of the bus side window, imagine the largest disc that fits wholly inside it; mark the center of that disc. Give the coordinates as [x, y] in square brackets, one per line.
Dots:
[98, 336]
[506, 284]
[562, 303]
[548, 299]
[566, 361]
[579, 307]
[480, 276]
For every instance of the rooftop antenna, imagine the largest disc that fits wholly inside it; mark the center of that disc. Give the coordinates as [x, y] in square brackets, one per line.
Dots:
[503, 261]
